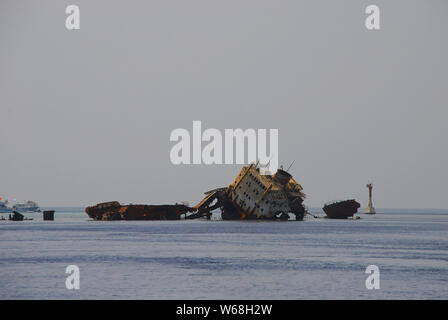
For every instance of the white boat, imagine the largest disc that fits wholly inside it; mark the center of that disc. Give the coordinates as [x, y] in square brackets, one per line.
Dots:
[3, 207]
[26, 206]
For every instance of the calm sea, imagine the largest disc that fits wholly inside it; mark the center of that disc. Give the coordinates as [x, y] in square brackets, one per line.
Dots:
[313, 259]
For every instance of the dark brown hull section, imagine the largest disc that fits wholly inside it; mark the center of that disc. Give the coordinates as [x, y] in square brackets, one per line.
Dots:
[153, 212]
[114, 211]
[342, 209]
[104, 211]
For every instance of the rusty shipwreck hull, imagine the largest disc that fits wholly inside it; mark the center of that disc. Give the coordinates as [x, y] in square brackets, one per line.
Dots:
[104, 211]
[230, 210]
[341, 209]
[108, 211]
[154, 212]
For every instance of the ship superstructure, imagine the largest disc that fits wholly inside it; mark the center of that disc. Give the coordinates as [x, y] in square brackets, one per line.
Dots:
[253, 195]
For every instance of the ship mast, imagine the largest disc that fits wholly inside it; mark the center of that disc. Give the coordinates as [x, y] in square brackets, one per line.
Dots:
[370, 209]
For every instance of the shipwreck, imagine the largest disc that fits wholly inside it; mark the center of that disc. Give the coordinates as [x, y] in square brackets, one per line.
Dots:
[341, 209]
[115, 211]
[252, 195]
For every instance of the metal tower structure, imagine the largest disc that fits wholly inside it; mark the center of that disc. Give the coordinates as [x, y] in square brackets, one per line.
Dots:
[370, 209]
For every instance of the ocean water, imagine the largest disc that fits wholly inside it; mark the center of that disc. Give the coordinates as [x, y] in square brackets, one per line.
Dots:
[312, 259]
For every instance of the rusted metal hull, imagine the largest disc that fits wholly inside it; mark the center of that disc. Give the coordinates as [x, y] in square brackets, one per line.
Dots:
[230, 209]
[341, 209]
[153, 212]
[104, 211]
[109, 211]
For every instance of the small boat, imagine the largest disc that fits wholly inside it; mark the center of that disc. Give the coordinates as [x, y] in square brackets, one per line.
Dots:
[341, 209]
[27, 206]
[3, 207]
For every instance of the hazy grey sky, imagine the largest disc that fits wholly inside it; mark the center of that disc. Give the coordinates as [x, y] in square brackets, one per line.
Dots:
[86, 115]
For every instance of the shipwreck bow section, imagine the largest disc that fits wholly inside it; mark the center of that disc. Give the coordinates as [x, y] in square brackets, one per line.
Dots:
[253, 195]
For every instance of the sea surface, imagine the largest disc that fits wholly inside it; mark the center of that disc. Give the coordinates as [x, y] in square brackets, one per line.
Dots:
[197, 259]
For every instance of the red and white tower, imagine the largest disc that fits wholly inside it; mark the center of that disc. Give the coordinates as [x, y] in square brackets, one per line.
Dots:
[370, 209]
